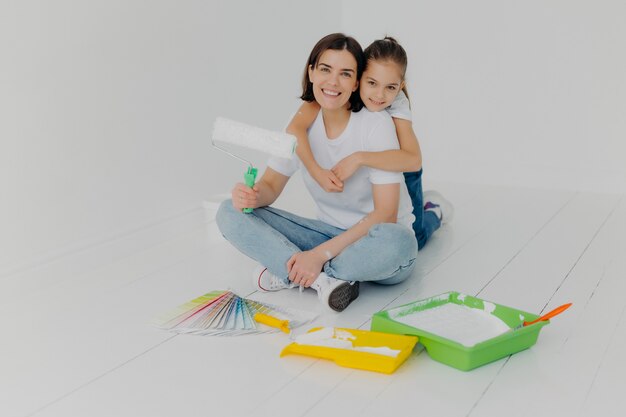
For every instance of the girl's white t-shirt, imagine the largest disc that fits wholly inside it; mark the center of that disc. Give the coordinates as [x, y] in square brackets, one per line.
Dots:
[400, 108]
[366, 131]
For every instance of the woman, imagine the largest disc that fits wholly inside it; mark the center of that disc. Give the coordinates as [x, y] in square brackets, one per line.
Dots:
[361, 234]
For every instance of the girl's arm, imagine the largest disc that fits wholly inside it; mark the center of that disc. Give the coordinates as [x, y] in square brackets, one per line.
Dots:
[298, 127]
[262, 194]
[406, 159]
[304, 267]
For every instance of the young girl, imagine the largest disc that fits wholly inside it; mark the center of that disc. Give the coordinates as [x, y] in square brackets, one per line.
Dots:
[382, 87]
[361, 234]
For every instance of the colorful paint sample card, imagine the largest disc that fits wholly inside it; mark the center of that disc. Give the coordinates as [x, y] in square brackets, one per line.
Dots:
[224, 313]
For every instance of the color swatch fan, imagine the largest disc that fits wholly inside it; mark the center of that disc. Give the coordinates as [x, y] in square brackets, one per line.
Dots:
[224, 313]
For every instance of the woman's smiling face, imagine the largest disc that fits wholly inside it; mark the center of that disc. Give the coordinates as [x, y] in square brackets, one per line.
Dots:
[334, 79]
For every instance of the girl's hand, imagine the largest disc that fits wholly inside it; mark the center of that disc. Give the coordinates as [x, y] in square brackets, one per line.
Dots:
[305, 267]
[245, 197]
[328, 181]
[347, 166]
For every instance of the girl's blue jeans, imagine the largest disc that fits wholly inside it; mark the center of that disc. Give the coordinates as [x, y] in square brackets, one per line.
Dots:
[425, 222]
[386, 255]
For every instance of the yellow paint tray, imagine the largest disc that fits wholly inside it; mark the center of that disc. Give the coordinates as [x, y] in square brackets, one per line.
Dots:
[360, 349]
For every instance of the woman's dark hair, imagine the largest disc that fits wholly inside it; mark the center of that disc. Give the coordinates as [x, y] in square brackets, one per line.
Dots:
[337, 42]
[388, 49]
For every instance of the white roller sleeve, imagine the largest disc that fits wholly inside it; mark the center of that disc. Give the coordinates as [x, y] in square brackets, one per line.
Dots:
[274, 143]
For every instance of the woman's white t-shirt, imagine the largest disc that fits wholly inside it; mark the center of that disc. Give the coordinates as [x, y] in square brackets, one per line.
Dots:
[366, 131]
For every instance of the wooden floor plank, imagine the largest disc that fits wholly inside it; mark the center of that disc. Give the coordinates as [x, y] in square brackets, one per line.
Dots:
[605, 396]
[533, 275]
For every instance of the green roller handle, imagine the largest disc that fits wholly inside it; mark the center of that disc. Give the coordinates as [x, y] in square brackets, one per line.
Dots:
[250, 178]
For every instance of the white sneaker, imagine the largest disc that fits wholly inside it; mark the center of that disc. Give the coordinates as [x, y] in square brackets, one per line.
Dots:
[265, 281]
[338, 294]
[435, 202]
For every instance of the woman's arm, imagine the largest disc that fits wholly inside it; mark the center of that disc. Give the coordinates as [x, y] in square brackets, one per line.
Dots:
[304, 267]
[262, 194]
[298, 127]
[406, 159]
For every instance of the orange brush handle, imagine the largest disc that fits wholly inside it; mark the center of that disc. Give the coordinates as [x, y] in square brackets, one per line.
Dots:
[549, 315]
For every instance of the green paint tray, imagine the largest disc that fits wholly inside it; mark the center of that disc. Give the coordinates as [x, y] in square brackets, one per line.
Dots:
[456, 354]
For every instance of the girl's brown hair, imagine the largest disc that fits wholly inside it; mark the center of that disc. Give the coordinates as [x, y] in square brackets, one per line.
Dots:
[388, 49]
[337, 42]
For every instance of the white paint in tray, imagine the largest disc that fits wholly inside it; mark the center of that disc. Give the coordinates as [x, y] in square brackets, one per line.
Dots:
[340, 339]
[460, 323]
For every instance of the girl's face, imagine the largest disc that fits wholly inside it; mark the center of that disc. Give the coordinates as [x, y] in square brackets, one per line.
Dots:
[334, 79]
[380, 84]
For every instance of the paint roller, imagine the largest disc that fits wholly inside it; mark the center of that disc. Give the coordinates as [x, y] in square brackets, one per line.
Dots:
[228, 131]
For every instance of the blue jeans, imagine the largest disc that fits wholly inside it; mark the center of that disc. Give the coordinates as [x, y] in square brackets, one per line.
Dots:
[270, 236]
[425, 222]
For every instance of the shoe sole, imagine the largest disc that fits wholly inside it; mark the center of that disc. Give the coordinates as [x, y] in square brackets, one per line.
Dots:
[343, 295]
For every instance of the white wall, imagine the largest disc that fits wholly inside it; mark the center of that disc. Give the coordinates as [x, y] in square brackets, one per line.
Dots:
[529, 93]
[106, 105]
[106, 108]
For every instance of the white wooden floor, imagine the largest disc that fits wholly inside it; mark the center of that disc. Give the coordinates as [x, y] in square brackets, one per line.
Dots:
[76, 339]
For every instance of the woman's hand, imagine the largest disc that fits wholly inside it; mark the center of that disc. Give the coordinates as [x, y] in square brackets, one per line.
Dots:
[305, 267]
[328, 181]
[245, 197]
[347, 166]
